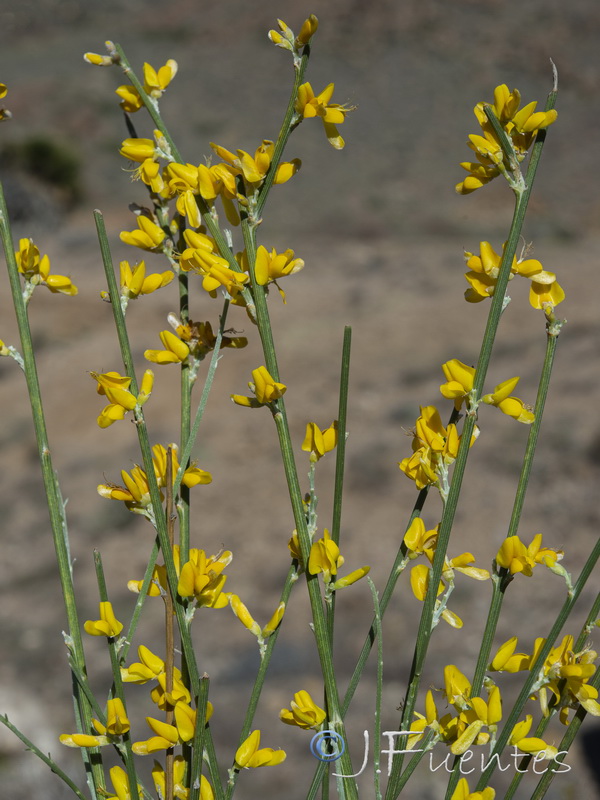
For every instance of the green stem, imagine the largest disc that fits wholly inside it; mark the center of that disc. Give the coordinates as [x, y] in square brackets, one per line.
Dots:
[43, 757]
[58, 523]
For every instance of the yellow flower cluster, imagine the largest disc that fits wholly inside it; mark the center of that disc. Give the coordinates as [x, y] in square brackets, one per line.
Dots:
[36, 270]
[564, 677]
[136, 492]
[420, 541]
[115, 388]
[434, 448]
[545, 291]
[521, 126]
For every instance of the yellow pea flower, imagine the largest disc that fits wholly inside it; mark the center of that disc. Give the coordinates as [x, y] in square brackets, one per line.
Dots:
[265, 388]
[459, 381]
[462, 792]
[179, 789]
[175, 351]
[149, 235]
[272, 266]
[310, 105]
[167, 736]
[325, 557]
[303, 712]
[116, 389]
[135, 282]
[201, 577]
[307, 31]
[155, 83]
[317, 442]
[417, 539]
[506, 660]
[250, 755]
[511, 406]
[36, 269]
[107, 625]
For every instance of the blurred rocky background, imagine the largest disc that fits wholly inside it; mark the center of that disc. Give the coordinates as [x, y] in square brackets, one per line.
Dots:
[382, 234]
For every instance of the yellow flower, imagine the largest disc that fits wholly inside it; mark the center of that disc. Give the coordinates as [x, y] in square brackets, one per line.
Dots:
[117, 724]
[307, 31]
[155, 83]
[417, 539]
[116, 389]
[532, 745]
[135, 282]
[120, 783]
[167, 736]
[107, 625]
[201, 257]
[36, 269]
[136, 492]
[179, 789]
[265, 388]
[459, 383]
[151, 667]
[516, 557]
[317, 442]
[149, 235]
[303, 712]
[511, 406]
[175, 351]
[521, 127]
[201, 577]
[249, 754]
[462, 792]
[254, 168]
[310, 105]
[506, 660]
[272, 266]
[325, 557]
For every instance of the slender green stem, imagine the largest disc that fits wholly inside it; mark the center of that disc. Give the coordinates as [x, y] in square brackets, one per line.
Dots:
[198, 742]
[379, 690]
[55, 504]
[183, 503]
[43, 757]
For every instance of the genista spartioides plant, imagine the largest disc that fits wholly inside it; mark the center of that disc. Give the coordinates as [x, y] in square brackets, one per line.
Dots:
[194, 214]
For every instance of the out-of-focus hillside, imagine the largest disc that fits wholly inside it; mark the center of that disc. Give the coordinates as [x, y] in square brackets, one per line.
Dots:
[382, 234]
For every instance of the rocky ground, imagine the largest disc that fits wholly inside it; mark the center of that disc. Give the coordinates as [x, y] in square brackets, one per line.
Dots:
[382, 234]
